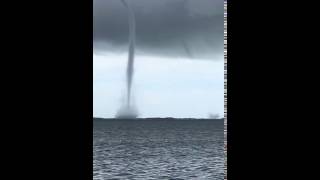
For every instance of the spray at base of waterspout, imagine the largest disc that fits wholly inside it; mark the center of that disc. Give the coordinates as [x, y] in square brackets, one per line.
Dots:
[127, 112]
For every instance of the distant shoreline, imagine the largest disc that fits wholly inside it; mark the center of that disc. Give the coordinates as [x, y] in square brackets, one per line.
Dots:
[157, 118]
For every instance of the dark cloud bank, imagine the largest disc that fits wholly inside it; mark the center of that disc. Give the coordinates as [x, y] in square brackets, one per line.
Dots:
[173, 28]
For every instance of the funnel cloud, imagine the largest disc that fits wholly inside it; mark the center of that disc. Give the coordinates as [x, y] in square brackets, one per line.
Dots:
[128, 111]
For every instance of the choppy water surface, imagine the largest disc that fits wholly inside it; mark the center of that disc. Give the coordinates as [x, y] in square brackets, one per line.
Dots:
[158, 149]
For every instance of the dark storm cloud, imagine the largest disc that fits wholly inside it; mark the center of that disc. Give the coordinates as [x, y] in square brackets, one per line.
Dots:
[175, 28]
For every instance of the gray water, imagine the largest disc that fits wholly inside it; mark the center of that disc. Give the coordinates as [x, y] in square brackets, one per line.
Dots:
[158, 149]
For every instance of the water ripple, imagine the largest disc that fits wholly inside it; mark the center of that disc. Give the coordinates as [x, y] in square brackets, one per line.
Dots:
[158, 149]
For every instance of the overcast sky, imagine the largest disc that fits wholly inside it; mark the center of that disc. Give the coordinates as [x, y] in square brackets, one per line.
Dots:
[178, 61]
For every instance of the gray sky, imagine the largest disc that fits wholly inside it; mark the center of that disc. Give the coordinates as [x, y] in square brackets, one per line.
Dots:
[179, 57]
[164, 27]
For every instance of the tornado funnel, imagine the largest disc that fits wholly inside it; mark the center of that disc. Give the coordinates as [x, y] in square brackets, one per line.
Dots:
[128, 111]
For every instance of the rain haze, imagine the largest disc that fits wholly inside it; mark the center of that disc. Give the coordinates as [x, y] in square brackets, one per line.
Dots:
[178, 68]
